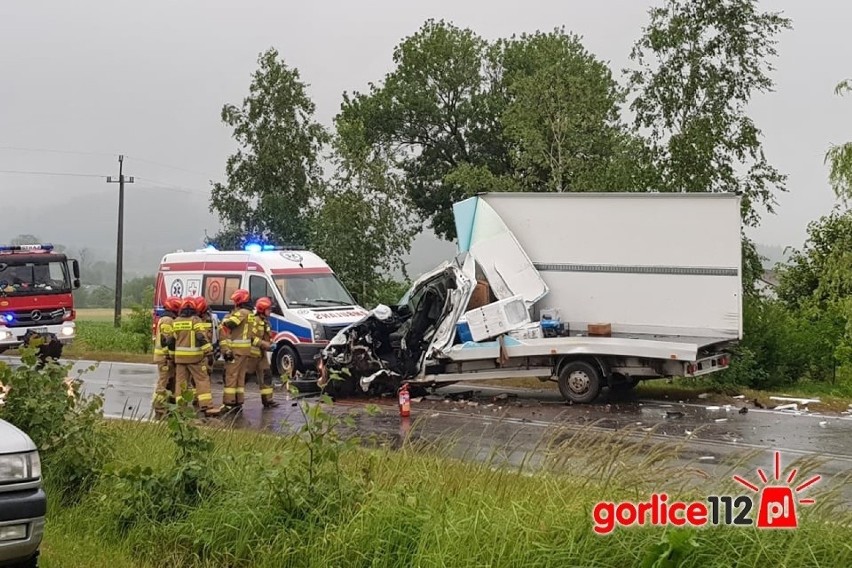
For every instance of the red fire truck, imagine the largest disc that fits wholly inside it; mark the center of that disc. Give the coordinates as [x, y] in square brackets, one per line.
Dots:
[36, 299]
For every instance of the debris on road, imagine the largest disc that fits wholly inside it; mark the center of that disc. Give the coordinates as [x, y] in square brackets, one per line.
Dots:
[721, 420]
[802, 401]
[823, 424]
[739, 396]
[504, 396]
[758, 404]
[674, 414]
[744, 410]
[704, 395]
[792, 406]
[712, 408]
[706, 458]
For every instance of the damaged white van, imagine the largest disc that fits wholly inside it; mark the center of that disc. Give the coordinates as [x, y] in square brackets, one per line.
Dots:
[589, 290]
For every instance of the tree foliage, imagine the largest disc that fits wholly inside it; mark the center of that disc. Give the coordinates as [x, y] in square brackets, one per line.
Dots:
[840, 158]
[699, 64]
[459, 115]
[274, 173]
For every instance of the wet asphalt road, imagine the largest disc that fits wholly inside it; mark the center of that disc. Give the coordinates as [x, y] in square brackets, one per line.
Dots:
[516, 425]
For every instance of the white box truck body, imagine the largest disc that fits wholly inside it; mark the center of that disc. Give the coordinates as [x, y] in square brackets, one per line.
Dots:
[661, 271]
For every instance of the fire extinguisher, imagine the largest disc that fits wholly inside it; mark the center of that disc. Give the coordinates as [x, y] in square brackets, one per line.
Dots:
[404, 401]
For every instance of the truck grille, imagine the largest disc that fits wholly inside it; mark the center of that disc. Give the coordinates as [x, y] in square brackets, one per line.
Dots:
[34, 318]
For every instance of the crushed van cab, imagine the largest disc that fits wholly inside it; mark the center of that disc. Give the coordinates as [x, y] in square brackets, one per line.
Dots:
[310, 304]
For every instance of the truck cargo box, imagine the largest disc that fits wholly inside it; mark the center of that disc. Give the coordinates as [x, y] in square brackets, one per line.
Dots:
[646, 263]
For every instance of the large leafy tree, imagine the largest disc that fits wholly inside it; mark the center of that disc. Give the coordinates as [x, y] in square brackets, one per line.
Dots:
[275, 172]
[562, 117]
[436, 112]
[699, 62]
[840, 158]
[461, 115]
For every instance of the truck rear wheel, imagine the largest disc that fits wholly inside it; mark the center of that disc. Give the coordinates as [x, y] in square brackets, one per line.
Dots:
[579, 382]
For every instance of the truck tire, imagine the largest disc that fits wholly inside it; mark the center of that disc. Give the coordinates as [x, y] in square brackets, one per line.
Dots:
[286, 360]
[579, 382]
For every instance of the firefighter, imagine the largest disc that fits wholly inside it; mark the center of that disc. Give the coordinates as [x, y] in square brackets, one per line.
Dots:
[162, 358]
[236, 342]
[258, 364]
[206, 317]
[190, 349]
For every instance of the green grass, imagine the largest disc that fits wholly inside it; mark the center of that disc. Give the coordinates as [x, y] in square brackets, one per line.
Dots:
[416, 507]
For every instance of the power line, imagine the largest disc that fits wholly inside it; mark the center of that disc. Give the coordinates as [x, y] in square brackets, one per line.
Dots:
[161, 164]
[171, 186]
[23, 149]
[39, 173]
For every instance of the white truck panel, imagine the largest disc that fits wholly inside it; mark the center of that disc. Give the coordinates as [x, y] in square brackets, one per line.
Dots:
[644, 262]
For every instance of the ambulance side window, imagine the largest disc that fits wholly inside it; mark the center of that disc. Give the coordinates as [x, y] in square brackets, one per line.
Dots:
[218, 290]
[259, 287]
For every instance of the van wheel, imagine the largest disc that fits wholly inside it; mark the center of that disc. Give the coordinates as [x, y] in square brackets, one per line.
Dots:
[579, 382]
[286, 361]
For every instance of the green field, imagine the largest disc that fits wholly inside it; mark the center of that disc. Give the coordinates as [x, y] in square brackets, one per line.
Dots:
[99, 314]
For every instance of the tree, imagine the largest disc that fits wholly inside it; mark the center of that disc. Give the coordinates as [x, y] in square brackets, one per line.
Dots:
[562, 117]
[699, 63]
[366, 222]
[274, 173]
[25, 240]
[840, 158]
[822, 270]
[436, 111]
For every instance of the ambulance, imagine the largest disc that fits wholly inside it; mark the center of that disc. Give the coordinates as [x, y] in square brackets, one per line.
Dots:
[310, 304]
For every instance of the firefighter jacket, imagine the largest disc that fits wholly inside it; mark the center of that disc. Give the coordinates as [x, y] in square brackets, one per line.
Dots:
[207, 325]
[189, 344]
[237, 332]
[261, 336]
[162, 337]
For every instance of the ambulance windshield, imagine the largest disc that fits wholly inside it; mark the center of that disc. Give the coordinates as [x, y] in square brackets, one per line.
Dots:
[313, 290]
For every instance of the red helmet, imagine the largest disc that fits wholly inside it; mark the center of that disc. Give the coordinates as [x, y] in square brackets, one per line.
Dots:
[173, 304]
[200, 304]
[263, 305]
[187, 304]
[241, 296]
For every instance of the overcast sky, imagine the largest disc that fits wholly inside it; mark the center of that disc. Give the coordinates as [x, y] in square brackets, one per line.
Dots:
[148, 79]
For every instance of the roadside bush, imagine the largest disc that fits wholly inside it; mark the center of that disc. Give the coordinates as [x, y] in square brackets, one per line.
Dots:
[149, 496]
[66, 426]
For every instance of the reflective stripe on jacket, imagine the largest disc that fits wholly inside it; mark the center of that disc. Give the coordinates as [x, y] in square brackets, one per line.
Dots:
[191, 345]
[239, 339]
[163, 334]
[261, 332]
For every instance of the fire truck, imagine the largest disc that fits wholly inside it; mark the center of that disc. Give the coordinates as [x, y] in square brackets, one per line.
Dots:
[36, 299]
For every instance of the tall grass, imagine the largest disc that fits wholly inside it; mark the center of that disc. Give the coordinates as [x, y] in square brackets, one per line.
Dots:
[415, 506]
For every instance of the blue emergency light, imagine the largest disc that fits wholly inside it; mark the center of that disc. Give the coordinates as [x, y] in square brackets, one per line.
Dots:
[13, 248]
[8, 318]
[253, 247]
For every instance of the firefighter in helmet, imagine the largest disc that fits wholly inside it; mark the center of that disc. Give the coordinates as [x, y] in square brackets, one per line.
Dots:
[162, 358]
[258, 364]
[205, 315]
[191, 348]
[236, 341]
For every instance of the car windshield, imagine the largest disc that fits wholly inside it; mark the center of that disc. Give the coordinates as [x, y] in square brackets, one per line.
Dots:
[33, 277]
[313, 290]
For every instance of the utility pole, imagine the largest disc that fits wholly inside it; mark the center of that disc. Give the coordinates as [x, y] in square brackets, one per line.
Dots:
[119, 253]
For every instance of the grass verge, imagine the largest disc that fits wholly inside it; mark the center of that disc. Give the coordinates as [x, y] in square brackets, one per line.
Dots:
[407, 507]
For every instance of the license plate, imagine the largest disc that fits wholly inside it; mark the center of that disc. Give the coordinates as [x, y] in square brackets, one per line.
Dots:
[38, 329]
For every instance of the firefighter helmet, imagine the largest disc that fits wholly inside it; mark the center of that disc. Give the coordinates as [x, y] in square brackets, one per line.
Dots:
[241, 296]
[187, 304]
[200, 304]
[263, 305]
[173, 304]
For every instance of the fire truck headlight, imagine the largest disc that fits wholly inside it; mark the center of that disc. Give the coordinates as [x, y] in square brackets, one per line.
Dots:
[67, 331]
